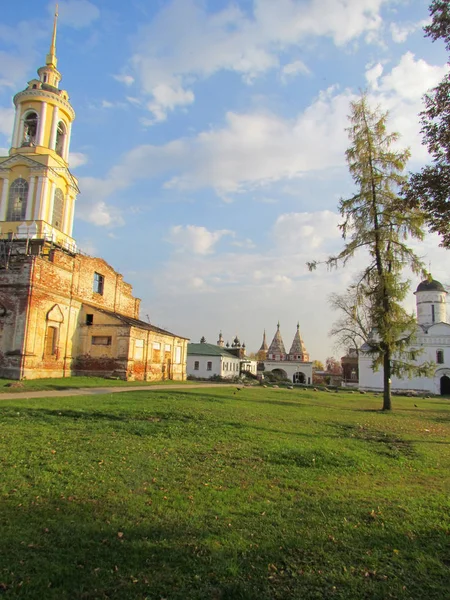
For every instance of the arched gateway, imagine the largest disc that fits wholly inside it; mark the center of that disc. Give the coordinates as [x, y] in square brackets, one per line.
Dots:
[445, 385]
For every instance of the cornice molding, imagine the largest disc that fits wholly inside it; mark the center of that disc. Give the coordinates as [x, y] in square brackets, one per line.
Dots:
[38, 94]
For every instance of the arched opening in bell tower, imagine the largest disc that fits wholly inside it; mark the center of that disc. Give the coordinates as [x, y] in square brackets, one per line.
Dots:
[60, 139]
[30, 125]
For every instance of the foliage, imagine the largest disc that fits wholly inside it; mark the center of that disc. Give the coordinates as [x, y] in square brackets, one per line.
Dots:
[258, 495]
[318, 366]
[376, 220]
[431, 186]
[354, 324]
[333, 365]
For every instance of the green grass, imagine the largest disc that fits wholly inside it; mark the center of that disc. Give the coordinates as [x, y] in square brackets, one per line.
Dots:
[217, 494]
[70, 383]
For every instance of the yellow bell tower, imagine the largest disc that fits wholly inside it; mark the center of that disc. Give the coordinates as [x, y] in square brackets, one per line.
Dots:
[37, 190]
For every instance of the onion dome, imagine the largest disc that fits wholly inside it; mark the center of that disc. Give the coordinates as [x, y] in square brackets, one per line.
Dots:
[430, 285]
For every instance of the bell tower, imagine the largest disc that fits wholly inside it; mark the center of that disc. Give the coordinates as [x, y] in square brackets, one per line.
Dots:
[37, 190]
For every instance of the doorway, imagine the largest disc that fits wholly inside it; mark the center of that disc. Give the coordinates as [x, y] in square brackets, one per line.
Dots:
[445, 385]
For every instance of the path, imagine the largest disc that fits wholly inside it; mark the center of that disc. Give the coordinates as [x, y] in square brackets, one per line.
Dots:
[107, 390]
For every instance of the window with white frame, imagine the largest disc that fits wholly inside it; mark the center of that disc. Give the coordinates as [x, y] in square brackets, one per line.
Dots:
[178, 355]
[17, 201]
[58, 207]
[209, 366]
[156, 352]
[101, 340]
[138, 349]
[99, 283]
[196, 365]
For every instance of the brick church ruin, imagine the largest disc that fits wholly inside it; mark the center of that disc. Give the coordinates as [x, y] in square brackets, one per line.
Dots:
[63, 313]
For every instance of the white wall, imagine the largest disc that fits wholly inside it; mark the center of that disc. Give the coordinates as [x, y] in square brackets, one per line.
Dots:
[437, 338]
[291, 367]
[220, 365]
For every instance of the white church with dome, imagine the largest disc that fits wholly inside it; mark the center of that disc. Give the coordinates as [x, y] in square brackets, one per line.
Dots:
[433, 337]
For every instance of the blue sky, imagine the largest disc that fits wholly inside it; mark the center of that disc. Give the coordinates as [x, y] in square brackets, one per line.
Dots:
[209, 144]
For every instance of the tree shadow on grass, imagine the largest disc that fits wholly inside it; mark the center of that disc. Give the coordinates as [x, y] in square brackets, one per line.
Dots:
[69, 550]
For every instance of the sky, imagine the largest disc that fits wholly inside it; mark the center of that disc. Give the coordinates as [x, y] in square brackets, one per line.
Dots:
[210, 142]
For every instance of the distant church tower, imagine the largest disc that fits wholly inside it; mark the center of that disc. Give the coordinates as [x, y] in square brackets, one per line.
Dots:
[262, 352]
[276, 349]
[431, 303]
[298, 350]
[37, 190]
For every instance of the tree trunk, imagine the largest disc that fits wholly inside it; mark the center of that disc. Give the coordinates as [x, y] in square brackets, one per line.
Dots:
[387, 381]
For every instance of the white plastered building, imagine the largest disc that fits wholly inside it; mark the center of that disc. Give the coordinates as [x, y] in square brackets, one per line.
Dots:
[432, 337]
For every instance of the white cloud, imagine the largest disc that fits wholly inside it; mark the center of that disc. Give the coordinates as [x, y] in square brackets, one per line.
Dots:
[126, 79]
[6, 121]
[294, 68]
[400, 91]
[373, 74]
[13, 70]
[75, 13]
[184, 42]
[194, 239]
[301, 232]
[266, 286]
[77, 159]
[256, 149]
[91, 205]
[166, 97]
[99, 213]
[401, 31]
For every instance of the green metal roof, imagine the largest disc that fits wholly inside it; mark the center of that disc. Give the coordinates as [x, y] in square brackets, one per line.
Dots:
[208, 350]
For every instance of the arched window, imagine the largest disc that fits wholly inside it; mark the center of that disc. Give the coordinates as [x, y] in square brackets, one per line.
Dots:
[60, 138]
[51, 341]
[440, 357]
[17, 202]
[30, 124]
[58, 208]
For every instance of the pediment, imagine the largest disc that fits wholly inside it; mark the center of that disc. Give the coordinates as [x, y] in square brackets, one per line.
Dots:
[34, 164]
[55, 314]
[22, 159]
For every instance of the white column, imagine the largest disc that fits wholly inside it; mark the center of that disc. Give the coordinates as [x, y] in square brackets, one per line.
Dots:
[4, 200]
[37, 205]
[54, 128]
[67, 209]
[15, 137]
[51, 201]
[44, 203]
[42, 120]
[29, 212]
[21, 131]
[72, 211]
[67, 142]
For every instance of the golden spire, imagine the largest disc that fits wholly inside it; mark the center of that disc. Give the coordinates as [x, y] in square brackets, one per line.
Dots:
[51, 56]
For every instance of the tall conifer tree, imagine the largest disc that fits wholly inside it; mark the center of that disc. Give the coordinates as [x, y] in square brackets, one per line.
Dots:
[431, 187]
[376, 220]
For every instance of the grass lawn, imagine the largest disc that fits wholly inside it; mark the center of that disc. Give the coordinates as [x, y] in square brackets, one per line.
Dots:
[261, 494]
[10, 386]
